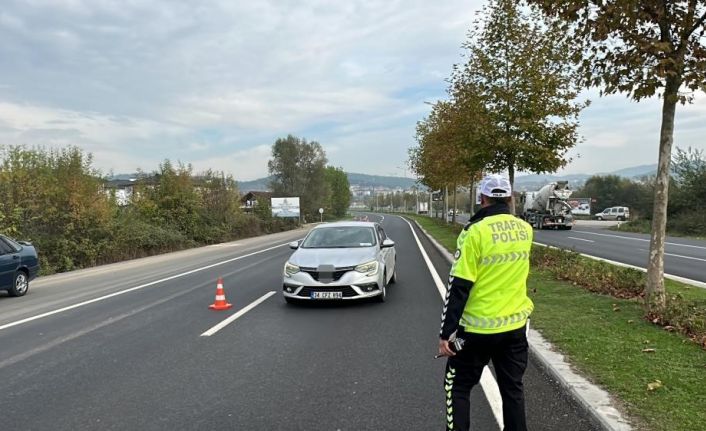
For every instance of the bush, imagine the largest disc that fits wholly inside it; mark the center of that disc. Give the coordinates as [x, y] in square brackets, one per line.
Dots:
[685, 316]
[593, 275]
[691, 223]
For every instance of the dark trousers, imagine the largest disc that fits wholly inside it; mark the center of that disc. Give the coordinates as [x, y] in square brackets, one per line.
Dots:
[508, 351]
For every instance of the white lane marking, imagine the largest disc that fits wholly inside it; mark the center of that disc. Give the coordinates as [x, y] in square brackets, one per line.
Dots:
[676, 255]
[580, 239]
[132, 289]
[685, 257]
[225, 245]
[639, 239]
[232, 318]
[680, 279]
[487, 381]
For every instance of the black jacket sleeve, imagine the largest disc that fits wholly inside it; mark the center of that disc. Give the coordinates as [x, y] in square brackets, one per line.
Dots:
[456, 297]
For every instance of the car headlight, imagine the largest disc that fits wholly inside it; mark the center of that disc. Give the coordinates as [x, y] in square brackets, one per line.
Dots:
[369, 268]
[290, 270]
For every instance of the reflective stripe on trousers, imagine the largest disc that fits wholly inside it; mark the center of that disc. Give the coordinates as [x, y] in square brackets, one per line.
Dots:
[448, 386]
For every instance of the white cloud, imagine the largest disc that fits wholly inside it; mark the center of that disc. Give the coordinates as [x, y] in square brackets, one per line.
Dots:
[244, 165]
[135, 82]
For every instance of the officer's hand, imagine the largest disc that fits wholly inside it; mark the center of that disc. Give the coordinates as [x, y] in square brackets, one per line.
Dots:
[444, 349]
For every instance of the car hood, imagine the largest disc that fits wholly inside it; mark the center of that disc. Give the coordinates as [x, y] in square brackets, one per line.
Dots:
[338, 257]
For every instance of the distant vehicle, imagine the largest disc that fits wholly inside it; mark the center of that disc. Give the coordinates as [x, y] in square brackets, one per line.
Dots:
[341, 261]
[614, 213]
[18, 265]
[451, 212]
[548, 207]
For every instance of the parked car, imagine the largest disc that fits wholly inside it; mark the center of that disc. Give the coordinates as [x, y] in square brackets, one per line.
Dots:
[19, 265]
[341, 261]
[614, 213]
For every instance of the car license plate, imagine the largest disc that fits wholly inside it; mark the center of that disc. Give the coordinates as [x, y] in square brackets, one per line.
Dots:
[326, 295]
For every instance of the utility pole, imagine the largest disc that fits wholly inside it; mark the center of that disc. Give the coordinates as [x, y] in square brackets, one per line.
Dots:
[430, 201]
[446, 204]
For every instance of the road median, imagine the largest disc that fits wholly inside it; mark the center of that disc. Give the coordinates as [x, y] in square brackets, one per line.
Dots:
[654, 373]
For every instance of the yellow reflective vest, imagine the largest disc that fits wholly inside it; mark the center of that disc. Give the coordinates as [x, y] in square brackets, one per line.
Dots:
[494, 254]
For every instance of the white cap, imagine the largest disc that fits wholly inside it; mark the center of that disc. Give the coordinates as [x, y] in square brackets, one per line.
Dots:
[495, 186]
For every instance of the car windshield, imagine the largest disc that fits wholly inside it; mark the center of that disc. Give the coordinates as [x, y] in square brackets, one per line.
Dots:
[340, 237]
[12, 243]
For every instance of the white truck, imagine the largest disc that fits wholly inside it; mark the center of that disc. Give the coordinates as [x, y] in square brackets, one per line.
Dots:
[548, 207]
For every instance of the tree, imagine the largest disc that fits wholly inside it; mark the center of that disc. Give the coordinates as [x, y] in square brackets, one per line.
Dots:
[168, 198]
[55, 199]
[443, 156]
[298, 169]
[520, 66]
[642, 49]
[339, 191]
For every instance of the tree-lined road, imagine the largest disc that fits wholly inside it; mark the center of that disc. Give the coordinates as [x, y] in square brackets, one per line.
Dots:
[683, 257]
[125, 351]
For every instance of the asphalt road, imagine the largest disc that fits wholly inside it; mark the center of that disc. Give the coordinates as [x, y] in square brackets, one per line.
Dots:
[683, 257]
[120, 348]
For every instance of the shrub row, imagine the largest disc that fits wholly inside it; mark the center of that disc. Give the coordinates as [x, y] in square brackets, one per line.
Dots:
[687, 316]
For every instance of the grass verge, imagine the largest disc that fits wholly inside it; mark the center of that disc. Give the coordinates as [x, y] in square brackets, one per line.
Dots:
[657, 375]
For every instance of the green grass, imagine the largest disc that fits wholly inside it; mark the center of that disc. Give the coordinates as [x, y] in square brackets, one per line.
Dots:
[446, 234]
[604, 337]
[607, 345]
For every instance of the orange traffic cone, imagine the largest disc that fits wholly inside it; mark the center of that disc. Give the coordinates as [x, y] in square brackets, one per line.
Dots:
[220, 303]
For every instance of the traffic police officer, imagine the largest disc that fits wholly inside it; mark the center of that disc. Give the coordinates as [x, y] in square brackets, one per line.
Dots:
[486, 308]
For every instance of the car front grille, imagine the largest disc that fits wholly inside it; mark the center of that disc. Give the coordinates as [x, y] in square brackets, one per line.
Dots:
[337, 274]
[348, 291]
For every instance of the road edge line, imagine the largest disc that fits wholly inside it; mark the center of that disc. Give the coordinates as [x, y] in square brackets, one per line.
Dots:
[595, 399]
[238, 314]
[487, 381]
[678, 278]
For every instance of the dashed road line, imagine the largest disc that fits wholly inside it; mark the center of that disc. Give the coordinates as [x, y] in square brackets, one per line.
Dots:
[640, 239]
[580, 239]
[240, 313]
[132, 289]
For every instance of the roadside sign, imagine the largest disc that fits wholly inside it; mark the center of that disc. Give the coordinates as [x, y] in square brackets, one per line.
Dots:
[285, 207]
[321, 210]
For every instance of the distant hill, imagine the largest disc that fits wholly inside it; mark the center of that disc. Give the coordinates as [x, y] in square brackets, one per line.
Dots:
[258, 185]
[636, 172]
[366, 180]
[355, 179]
[522, 182]
[535, 182]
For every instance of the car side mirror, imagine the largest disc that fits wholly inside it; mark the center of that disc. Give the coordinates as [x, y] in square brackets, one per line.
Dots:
[294, 245]
[387, 243]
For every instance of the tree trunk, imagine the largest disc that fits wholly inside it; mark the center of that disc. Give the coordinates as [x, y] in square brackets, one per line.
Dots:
[446, 204]
[473, 197]
[453, 219]
[655, 295]
[511, 177]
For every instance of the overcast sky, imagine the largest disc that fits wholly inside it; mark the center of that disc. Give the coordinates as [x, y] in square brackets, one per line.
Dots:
[214, 83]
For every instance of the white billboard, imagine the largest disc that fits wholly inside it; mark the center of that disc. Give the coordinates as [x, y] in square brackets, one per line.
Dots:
[580, 206]
[285, 207]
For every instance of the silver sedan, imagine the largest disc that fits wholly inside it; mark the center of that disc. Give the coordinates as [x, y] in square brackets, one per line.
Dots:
[341, 261]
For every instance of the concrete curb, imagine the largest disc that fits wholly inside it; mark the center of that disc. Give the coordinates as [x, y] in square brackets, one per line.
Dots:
[594, 399]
